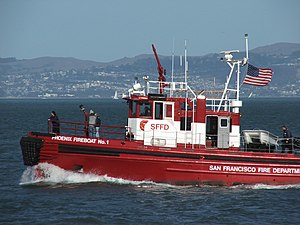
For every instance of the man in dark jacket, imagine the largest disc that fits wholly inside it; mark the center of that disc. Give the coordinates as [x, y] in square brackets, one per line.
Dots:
[54, 125]
[288, 139]
[86, 120]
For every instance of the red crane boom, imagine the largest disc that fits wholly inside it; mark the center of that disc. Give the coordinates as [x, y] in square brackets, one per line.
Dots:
[161, 72]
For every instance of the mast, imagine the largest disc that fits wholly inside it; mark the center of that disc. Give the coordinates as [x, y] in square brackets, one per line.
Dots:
[186, 91]
[185, 63]
[233, 63]
[181, 71]
[172, 73]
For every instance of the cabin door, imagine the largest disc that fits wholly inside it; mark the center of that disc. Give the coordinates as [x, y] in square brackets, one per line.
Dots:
[211, 131]
[164, 111]
[223, 132]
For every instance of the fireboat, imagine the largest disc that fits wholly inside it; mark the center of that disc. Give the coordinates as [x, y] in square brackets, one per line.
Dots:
[173, 135]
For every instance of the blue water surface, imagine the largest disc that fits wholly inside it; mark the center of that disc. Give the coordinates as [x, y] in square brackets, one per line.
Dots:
[71, 198]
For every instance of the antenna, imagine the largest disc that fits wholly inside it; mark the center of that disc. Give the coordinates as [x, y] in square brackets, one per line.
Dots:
[246, 42]
[172, 73]
[180, 62]
[245, 60]
[185, 63]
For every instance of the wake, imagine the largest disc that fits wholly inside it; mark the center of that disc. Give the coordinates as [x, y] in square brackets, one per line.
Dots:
[270, 187]
[54, 175]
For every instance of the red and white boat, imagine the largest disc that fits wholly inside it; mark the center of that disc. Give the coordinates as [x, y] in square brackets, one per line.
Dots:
[174, 135]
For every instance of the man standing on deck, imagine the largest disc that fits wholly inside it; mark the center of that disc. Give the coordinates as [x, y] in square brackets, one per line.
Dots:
[287, 142]
[92, 123]
[53, 123]
[97, 126]
[86, 120]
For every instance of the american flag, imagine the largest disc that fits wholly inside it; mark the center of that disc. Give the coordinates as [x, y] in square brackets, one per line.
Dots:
[258, 76]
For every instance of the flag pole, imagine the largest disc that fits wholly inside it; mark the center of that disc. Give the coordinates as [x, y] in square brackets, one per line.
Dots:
[246, 42]
[246, 59]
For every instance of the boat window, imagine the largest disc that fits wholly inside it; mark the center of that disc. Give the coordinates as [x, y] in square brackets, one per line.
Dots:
[133, 108]
[188, 123]
[183, 106]
[145, 109]
[224, 122]
[169, 110]
[158, 110]
[212, 125]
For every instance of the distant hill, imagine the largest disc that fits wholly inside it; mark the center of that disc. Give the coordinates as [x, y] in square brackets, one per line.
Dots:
[277, 49]
[129, 61]
[63, 76]
[13, 65]
[42, 64]
[7, 60]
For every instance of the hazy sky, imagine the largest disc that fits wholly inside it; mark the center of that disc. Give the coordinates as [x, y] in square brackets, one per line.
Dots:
[107, 30]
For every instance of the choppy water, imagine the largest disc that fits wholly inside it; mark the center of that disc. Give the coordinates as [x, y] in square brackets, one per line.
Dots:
[71, 198]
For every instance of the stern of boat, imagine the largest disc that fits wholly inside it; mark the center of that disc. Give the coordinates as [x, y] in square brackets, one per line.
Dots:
[31, 147]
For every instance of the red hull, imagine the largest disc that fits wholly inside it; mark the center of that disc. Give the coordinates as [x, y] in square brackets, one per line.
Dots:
[133, 161]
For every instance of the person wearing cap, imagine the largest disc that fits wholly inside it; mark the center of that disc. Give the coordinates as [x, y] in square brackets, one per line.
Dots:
[92, 123]
[287, 142]
[86, 120]
[53, 123]
[97, 125]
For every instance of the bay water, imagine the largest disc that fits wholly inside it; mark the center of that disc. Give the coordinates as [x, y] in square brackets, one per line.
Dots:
[72, 198]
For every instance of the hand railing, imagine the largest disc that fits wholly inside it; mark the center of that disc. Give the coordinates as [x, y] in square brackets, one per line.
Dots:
[83, 129]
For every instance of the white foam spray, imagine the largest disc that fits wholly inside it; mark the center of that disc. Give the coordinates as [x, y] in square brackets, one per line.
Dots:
[267, 186]
[53, 175]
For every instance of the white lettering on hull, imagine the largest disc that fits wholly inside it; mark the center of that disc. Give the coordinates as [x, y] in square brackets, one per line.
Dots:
[252, 169]
[81, 140]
